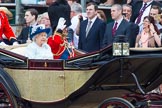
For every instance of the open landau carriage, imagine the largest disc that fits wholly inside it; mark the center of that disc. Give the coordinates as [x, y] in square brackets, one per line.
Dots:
[29, 83]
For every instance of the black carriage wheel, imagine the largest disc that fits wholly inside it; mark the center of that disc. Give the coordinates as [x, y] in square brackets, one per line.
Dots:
[7, 100]
[116, 102]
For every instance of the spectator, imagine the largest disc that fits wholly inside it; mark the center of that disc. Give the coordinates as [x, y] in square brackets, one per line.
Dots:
[142, 9]
[39, 18]
[6, 29]
[155, 12]
[101, 15]
[39, 49]
[91, 30]
[134, 28]
[45, 20]
[160, 19]
[127, 11]
[76, 11]
[119, 26]
[31, 16]
[149, 37]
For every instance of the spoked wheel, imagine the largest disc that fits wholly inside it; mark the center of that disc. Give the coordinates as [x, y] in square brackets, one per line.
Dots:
[6, 99]
[116, 102]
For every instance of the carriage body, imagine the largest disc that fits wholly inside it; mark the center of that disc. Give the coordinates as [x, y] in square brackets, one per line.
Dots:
[48, 83]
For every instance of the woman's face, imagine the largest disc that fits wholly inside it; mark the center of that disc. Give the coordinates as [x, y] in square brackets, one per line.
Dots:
[146, 23]
[41, 38]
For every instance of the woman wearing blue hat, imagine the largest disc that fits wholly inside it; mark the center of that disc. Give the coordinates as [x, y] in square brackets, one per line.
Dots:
[39, 49]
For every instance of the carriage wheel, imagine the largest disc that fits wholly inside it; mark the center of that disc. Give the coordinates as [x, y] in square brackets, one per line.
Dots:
[116, 102]
[6, 99]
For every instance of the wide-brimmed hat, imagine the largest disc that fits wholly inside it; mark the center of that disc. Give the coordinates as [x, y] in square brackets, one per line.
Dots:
[8, 13]
[38, 29]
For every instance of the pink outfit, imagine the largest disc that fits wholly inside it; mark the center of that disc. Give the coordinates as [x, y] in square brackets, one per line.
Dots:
[144, 39]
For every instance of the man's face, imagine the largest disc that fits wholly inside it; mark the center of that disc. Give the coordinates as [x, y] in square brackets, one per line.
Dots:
[154, 13]
[72, 14]
[145, 1]
[91, 12]
[29, 18]
[127, 11]
[115, 13]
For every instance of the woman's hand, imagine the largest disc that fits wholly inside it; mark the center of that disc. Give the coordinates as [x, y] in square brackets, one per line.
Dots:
[152, 29]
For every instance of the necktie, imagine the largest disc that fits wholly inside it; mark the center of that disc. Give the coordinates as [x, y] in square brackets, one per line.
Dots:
[88, 27]
[141, 13]
[30, 32]
[114, 29]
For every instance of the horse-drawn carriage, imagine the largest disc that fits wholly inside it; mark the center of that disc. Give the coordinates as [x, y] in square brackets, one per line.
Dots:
[26, 83]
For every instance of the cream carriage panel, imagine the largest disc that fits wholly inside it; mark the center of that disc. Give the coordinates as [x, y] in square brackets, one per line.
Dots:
[48, 85]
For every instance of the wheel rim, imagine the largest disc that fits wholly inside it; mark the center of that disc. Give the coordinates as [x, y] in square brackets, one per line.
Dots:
[116, 102]
[114, 105]
[5, 99]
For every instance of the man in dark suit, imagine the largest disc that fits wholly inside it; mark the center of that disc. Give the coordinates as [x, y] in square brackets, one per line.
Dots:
[91, 30]
[127, 12]
[31, 20]
[119, 26]
[141, 9]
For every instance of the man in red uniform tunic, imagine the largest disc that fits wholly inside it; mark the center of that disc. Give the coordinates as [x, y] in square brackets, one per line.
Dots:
[60, 47]
[6, 29]
[59, 15]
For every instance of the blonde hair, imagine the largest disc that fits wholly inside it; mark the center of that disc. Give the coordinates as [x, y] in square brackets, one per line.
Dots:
[102, 14]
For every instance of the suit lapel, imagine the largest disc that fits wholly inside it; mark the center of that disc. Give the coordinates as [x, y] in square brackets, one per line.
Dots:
[120, 27]
[92, 28]
[110, 37]
[84, 28]
[111, 26]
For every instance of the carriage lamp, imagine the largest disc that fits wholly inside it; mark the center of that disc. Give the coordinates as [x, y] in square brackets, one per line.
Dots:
[120, 45]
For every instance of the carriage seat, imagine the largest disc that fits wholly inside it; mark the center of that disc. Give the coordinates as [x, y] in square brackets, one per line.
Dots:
[19, 50]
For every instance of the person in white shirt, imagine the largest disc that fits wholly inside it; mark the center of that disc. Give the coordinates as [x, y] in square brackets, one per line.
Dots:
[76, 11]
[39, 49]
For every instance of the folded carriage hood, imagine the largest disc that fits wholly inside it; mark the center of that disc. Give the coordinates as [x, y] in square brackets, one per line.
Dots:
[116, 72]
[147, 68]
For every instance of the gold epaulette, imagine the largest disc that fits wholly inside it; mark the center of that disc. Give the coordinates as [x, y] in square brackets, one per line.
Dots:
[56, 33]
